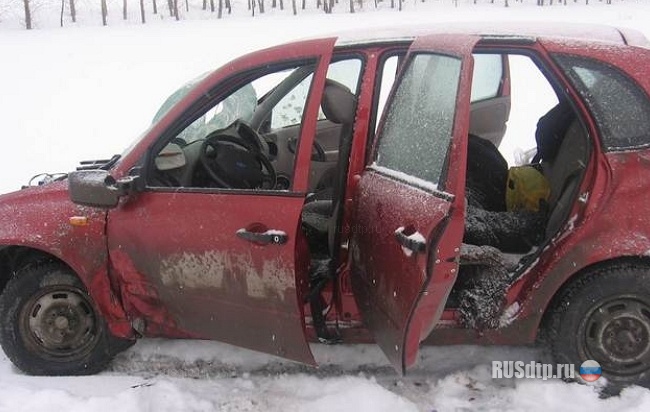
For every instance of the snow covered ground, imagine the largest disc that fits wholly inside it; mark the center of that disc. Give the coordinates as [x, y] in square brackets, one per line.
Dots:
[160, 376]
[86, 91]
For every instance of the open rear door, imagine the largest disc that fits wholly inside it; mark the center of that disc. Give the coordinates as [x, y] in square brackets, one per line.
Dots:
[410, 201]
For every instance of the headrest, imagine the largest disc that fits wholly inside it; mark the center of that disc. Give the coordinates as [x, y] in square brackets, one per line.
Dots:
[338, 103]
[551, 129]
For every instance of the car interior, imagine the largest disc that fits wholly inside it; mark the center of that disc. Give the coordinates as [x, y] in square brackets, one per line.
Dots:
[249, 141]
[511, 239]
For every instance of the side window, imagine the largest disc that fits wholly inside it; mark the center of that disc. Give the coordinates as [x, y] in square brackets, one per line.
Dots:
[288, 111]
[486, 80]
[346, 72]
[388, 75]
[417, 130]
[620, 107]
[223, 146]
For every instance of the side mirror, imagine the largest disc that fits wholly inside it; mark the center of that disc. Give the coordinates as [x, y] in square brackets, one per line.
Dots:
[98, 188]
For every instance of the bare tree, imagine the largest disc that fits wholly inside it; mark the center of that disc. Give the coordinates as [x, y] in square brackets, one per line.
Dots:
[155, 7]
[261, 5]
[170, 5]
[104, 13]
[142, 12]
[293, 6]
[73, 11]
[205, 4]
[211, 6]
[28, 15]
[176, 9]
[62, 10]
[220, 8]
[229, 6]
[124, 13]
[351, 6]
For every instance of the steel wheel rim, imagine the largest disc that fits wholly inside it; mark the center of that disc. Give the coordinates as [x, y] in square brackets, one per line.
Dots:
[60, 323]
[616, 333]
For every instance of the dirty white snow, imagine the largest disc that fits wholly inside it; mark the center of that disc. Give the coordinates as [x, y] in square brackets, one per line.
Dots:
[86, 92]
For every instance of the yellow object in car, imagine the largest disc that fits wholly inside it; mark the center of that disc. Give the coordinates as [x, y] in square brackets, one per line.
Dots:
[527, 189]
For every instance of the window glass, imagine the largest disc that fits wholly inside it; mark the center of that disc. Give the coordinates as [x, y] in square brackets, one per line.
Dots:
[222, 148]
[388, 74]
[419, 121]
[486, 80]
[620, 107]
[288, 111]
[346, 72]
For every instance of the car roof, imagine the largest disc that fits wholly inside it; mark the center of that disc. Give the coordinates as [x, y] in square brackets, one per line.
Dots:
[530, 31]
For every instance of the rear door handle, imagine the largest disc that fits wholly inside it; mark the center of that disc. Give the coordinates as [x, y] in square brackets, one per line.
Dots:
[414, 242]
[270, 237]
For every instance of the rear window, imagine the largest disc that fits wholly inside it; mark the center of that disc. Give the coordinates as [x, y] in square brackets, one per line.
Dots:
[619, 106]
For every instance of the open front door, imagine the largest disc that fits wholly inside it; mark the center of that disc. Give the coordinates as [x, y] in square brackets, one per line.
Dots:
[410, 201]
[222, 261]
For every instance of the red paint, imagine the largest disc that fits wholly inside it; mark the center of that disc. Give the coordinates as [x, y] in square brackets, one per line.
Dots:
[173, 260]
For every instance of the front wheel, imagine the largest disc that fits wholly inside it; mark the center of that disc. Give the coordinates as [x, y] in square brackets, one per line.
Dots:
[50, 325]
[605, 316]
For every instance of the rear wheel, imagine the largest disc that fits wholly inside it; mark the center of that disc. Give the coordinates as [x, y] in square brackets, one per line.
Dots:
[605, 316]
[50, 325]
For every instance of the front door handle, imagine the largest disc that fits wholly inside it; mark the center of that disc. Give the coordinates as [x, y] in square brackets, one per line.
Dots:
[414, 242]
[275, 237]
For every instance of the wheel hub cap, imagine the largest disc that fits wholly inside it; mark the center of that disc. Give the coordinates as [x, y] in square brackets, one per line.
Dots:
[626, 337]
[618, 336]
[61, 322]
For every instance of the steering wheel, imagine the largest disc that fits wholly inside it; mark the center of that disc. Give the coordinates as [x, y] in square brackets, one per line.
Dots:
[232, 162]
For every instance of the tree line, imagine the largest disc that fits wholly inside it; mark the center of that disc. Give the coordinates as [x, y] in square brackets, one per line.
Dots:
[172, 7]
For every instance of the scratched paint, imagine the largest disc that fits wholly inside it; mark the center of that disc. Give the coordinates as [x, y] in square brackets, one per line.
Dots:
[195, 270]
[187, 270]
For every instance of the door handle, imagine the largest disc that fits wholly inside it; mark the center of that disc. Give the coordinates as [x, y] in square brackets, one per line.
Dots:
[269, 237]
[414, 242]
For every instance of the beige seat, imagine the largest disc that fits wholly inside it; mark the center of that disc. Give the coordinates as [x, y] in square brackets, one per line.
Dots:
[322, 212]
[564, 173]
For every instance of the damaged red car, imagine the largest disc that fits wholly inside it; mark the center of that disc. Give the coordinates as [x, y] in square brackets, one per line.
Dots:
[349, 189]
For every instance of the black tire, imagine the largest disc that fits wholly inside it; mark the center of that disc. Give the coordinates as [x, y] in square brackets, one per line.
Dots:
[605, 316]
[50, 325]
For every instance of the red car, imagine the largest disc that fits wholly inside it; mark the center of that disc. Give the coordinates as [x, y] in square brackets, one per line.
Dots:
[351, 190]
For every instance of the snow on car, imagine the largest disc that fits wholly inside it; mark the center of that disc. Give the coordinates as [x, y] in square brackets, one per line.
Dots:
[329, 189]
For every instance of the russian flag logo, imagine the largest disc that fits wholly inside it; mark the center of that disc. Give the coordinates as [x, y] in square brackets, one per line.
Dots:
[590, 370]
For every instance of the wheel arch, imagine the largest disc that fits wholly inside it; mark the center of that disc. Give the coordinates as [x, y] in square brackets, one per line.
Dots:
[16, 257]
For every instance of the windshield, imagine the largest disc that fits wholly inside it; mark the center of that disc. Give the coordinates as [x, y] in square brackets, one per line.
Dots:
[177, 96]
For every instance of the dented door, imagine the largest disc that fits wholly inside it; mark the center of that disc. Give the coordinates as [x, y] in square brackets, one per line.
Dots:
[410, 202]
[221, 264]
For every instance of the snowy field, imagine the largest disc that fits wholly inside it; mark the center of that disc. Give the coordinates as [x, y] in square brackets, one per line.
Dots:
[86, 92]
